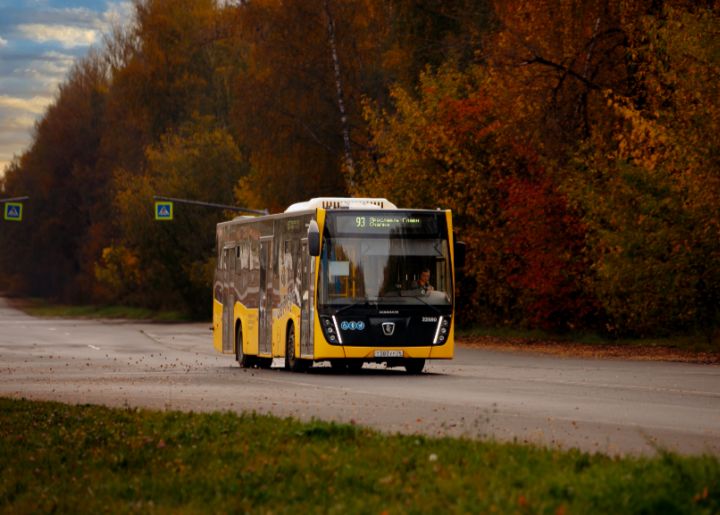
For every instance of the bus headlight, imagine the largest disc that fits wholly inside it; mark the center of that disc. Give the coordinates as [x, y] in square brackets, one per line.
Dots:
[442, 330]
[331, 330]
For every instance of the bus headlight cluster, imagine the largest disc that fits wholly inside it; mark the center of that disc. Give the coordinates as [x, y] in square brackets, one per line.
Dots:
[442, 331]
[331, 330]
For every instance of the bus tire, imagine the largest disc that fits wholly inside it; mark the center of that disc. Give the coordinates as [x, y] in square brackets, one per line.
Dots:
[243, 359]
[354, 365]
[292, 362]
[414, 366]
[338, 365]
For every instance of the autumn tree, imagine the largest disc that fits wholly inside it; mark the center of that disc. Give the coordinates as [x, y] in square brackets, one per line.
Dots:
[448, 148]
[650, 190]
[289, 115]
[170, 265]
[436, 151]
[47, 254]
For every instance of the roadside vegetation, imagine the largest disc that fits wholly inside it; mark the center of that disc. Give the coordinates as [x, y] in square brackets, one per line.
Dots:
[44, 308]
[692, 348]
[88, 459]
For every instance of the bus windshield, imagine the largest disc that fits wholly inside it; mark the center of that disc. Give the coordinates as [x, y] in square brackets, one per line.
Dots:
[397, 259]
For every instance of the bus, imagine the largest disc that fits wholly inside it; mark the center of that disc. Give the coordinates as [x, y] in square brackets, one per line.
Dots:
[338, 280]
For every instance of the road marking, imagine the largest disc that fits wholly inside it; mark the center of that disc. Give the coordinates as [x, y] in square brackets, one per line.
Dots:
[93, 347]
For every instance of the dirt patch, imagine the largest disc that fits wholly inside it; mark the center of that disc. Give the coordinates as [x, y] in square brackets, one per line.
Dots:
[583, 350]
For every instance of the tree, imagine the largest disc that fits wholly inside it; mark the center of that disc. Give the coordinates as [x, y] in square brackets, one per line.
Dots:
[170, 265]
[45, 256]
[437, 151]
[650, 189]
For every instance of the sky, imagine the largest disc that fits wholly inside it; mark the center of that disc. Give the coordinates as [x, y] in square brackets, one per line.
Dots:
[39, 42]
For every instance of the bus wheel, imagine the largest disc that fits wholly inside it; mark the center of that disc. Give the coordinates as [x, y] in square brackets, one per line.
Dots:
[354, 365]
[414, 366]
[243, 359]
[338, 365]
[292, 362]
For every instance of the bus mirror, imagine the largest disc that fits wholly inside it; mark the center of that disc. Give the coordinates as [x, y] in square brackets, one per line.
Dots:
[459, 254]
[313, 238]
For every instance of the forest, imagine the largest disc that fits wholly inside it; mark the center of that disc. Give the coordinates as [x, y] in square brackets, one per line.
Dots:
[575, 141]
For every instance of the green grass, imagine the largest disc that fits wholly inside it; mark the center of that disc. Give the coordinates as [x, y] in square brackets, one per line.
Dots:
[688, 342]
[43, 308]
[69, 459]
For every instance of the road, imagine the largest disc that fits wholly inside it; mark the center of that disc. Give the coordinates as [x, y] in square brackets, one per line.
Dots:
[610, 406]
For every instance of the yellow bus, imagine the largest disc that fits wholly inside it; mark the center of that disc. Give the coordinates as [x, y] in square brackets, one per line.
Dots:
[344, 280]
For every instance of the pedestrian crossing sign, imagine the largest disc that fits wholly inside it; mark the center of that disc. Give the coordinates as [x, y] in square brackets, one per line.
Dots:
[13, 211]
[163, 210]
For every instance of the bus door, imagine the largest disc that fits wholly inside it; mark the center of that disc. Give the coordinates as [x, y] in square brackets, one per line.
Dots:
[306, 347]
[228, 301]
[265, 304]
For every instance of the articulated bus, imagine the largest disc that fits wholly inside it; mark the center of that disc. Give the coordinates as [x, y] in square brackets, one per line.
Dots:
[338, 280]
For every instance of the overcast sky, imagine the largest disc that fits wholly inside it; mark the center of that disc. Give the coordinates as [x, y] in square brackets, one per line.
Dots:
[39, 41]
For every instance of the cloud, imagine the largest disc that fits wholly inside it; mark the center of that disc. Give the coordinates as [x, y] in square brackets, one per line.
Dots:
[35, 105]
[22, 122]
[44, 42]
[66, 35]
[116, 13]
[15, 133]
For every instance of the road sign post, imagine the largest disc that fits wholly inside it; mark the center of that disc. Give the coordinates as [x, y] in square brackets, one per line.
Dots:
[13, 211]
[164, 207]
[163, 211]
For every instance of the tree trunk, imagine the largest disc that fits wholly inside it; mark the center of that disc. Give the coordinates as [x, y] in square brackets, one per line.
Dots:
[349, 163]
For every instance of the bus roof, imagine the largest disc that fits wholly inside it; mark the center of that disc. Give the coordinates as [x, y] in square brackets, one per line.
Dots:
[341, 203]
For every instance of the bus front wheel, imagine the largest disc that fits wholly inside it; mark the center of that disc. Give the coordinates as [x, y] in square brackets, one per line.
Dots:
[292, 362]
[414, 366]
[243, 359]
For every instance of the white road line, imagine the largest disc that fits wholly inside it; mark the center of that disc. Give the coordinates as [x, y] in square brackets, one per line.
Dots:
[93, 347]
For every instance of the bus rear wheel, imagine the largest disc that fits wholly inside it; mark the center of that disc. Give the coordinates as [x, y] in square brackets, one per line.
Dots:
[243, 359]
[292, 362]
[414, 366]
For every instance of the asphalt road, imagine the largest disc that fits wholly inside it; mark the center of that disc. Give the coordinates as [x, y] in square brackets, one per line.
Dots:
[609, 406]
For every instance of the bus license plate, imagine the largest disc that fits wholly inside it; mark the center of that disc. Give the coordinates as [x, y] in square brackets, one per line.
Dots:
[388, 354]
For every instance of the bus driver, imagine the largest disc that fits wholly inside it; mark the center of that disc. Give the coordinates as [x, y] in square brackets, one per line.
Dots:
[423, 282]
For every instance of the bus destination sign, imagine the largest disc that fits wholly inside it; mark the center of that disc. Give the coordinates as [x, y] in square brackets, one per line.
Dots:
[386, 223]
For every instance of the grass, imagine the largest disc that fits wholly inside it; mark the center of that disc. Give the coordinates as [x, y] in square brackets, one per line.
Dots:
[687, 342]
[44, 308]
[85, 459]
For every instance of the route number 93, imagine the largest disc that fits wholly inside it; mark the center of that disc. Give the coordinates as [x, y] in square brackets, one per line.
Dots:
[359, 221]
